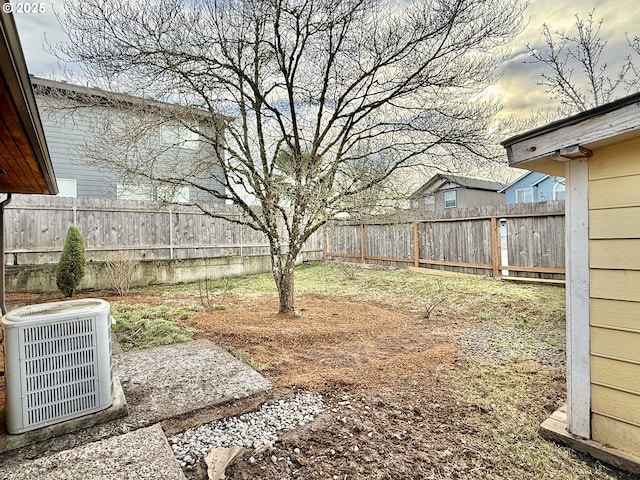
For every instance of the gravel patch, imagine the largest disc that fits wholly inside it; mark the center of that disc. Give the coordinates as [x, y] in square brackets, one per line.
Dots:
[251, 430]
[502, 344]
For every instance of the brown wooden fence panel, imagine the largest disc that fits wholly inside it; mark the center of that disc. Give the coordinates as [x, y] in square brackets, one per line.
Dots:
[386, 243]
[535, 242]
[343, 239]
[36, 226]
[465, 242]
[518, 240]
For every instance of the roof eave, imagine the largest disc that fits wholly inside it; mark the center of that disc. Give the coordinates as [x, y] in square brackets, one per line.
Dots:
[547, 148]
[16, 77]
[540, 180]
[47, 87]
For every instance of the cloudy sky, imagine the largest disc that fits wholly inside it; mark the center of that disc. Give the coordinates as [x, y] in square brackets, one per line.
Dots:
[517, 87]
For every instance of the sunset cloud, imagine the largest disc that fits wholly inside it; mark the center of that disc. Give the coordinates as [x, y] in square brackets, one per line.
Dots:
[520, 93]
[517, 88]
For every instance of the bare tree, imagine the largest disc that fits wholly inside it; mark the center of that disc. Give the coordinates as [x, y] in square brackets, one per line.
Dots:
[634, 70]
[334, 83]
[576, 74]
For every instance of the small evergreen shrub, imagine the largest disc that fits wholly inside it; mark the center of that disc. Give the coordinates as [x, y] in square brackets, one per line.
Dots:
[72, 262]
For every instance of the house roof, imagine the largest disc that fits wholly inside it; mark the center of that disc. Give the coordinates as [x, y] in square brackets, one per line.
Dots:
[55, 88]
[546, 148]
[25, 165]
[521, 177]
[435, 182]
[540, 180]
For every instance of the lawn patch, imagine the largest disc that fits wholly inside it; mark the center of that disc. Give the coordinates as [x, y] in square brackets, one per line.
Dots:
[142, 326]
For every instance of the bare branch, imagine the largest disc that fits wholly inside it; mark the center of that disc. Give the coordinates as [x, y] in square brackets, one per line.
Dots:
[575, 73]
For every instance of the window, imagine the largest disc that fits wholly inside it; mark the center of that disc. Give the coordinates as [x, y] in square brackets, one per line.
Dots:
[130, 191]
[172, 194]
[558, 189]
[524, 195]
[450, 199]
[430, 202]
[67, 187]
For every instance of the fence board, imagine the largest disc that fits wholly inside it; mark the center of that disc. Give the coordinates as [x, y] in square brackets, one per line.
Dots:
[536, 242]
[393, 241]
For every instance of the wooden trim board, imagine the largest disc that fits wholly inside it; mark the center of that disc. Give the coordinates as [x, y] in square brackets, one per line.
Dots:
[554, 428]
[577, 277]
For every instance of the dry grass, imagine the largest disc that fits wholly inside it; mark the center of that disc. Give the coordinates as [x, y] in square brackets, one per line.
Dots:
[508, 403]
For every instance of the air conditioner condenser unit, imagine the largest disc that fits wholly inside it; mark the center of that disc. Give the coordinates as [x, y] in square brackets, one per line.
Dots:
[57, 362]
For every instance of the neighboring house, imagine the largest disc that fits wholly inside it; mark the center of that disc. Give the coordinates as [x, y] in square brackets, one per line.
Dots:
[443, 192]
[25, 166]
[534, 187]
[74, 117]
[597, 151]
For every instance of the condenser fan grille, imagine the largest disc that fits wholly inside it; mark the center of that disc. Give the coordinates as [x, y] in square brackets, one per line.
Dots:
[59, 369]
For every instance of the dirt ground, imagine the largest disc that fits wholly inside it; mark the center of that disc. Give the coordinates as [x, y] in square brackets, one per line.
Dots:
[408, 397]
[380, 371]
[335, 342]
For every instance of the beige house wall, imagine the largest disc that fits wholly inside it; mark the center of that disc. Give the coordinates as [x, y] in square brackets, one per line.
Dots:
[614, 271]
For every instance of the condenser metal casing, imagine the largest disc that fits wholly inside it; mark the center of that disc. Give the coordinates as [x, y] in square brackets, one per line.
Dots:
[57, 362]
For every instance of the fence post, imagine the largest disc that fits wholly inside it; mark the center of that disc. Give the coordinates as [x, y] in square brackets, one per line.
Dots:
[363, 244]
[495, 247]
[170, 234]
[4, 203]
[324, 242]
[75, 212]
[416, 244]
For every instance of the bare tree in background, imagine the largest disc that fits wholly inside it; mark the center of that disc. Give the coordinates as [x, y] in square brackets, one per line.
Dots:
[634, 43]
[576, 74]
[337, 84]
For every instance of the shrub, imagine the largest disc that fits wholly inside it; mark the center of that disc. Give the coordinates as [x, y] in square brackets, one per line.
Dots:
[121, 269]
[72, 262]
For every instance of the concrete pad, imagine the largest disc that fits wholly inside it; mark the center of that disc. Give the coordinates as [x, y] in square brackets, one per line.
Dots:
[143, 454]
[555, 428]
[118, 409]
[177, 380]
[180, 385]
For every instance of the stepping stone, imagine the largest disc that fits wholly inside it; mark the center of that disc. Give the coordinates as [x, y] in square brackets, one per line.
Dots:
[177, 380]
[143, 454]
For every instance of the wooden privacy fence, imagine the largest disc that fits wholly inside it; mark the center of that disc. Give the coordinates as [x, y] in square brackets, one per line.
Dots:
[524, 240]
[36, 226]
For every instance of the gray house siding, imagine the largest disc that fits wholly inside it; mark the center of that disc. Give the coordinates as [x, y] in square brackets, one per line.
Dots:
[70, 127]
[460, 197]
[479, 198]
[461, 192]
[65, 138]
[468, 198]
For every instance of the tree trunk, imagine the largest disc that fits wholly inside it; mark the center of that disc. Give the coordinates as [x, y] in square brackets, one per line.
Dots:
[286, 292]
[282, 266]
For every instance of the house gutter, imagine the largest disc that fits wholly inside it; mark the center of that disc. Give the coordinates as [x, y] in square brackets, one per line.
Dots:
[4, 203]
